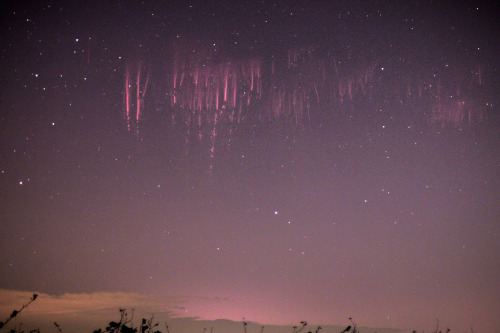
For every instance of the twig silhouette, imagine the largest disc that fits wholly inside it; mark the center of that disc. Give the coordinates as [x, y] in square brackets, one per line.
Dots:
[15, 312]
[58, 327]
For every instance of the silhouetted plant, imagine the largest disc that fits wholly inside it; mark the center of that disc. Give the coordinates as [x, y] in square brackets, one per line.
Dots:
[147, 326]
[58, 327]
[437, 326]
[347, 329]
[354, 327]
[20, 330]
[15, 312]
[125, 326]
[303, 323]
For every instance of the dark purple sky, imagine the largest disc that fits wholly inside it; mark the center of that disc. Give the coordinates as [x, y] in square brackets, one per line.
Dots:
[351, 170]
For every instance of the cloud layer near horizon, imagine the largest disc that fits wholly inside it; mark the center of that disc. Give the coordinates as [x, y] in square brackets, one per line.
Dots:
[85, 312]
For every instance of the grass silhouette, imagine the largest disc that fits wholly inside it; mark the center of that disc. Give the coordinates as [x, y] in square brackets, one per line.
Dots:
[125, 324]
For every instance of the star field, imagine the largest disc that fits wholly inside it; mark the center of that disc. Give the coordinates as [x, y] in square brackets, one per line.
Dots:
[274, 160]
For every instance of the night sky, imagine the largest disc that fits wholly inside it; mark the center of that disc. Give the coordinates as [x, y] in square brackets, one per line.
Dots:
[276, 161]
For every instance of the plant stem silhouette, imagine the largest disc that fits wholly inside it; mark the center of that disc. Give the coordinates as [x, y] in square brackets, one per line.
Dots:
[15, 312]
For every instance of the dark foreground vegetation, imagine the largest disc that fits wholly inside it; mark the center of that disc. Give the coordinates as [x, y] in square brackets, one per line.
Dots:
[125, 325]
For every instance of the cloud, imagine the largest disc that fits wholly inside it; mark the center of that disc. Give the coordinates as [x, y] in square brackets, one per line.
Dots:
[79, 303]
[82, 310]
[86, 312]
